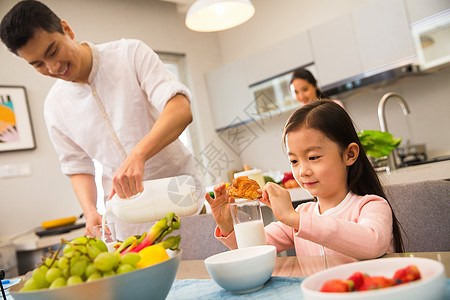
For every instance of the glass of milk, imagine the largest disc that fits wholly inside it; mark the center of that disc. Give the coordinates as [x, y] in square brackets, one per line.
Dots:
[248, 223]
[107, 234]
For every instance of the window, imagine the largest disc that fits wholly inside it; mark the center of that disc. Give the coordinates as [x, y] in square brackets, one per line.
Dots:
[175, 63]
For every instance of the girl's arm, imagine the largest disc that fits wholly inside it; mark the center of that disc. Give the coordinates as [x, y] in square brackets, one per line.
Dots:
[368, 236]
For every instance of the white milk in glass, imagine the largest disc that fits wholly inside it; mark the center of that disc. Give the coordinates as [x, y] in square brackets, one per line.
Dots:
[250, 233]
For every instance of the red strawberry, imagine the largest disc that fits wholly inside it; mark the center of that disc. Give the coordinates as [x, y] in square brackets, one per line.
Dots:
[357, 279]
[376, 282]
[336, 286]
[407, 274]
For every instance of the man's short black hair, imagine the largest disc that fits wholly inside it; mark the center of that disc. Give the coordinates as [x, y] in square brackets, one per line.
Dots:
[20, 24]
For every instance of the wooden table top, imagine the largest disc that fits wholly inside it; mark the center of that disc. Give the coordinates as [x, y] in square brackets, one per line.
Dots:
[291, 266]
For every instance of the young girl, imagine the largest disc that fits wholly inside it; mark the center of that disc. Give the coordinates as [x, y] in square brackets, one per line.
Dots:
[351, 215]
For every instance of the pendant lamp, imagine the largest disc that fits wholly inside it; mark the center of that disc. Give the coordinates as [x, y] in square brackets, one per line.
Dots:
[216, 15]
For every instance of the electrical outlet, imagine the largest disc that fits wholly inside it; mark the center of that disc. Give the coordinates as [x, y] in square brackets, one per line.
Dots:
[15, 170]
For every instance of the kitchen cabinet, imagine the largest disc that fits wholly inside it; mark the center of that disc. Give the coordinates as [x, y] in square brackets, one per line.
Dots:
[231, 98]
[335, 50]
[279, 58]
[432, 40]
[383, 35]
[420, 9]
[229, 95]
[370, 39]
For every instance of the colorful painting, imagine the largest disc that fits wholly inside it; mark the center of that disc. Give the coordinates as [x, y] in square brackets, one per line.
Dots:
[16, 132]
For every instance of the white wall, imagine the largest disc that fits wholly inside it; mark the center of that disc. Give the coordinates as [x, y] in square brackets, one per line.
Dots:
[27, 201]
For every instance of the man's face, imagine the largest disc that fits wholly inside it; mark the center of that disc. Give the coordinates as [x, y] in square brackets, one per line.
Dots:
[55, 54]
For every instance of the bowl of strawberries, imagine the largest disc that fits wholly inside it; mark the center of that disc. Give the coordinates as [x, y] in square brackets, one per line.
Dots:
[406, 278]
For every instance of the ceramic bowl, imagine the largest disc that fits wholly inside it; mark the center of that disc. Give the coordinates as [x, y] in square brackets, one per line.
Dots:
[153, 282]
[242, 270]
[431, 286]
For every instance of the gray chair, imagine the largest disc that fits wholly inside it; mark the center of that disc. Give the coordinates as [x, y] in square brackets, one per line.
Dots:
[197, 237]
[423, 211]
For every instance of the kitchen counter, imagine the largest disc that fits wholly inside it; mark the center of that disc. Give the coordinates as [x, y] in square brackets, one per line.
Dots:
[31, 248]
[31, 241]
[430, 171]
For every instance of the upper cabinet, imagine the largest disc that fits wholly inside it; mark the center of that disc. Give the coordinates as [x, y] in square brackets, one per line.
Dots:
[420, 9]
[373, 37]
[232, 100]
[383, 34]
[335, 50]
[229, 94]
[280, 58]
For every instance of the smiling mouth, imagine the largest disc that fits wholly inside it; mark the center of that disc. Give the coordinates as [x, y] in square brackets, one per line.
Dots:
[309, 184]
[65, 71]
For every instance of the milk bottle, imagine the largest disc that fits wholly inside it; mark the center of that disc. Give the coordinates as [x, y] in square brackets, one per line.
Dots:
[177, 194]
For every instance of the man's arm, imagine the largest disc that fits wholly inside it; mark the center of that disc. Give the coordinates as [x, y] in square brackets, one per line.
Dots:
[175, 117]
[86, 191]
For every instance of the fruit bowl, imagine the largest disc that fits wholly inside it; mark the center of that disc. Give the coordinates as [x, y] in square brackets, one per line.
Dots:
[153, 282]
[431, 286]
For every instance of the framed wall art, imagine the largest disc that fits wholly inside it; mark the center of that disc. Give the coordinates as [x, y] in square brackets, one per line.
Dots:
[16, 130]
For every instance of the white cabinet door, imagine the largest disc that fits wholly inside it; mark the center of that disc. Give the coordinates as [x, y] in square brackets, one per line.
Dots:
[229, 94]
[335, 50]
[279, 58]
[419, 9]
[383, 34]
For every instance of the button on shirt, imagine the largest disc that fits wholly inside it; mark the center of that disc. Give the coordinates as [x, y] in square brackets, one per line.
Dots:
[128, 89]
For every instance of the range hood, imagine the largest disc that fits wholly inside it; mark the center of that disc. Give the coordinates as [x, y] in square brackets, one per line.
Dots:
[367, 79]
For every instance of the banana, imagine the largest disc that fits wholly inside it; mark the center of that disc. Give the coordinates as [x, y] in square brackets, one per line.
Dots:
[58, 222]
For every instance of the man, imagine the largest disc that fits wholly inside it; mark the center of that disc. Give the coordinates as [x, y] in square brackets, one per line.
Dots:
[113, 102]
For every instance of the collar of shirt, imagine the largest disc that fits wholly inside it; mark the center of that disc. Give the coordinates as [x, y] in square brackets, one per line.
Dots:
[337, 208]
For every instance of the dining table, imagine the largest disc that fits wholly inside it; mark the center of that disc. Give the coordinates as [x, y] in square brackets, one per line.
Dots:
[193, 281]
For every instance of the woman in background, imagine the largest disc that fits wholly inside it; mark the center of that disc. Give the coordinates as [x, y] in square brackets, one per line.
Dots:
[304, 87]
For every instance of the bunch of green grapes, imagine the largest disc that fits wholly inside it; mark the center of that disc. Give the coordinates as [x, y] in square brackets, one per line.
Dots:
[83, 259]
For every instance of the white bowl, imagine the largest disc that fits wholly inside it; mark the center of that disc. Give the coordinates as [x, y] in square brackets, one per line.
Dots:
[153, 282]
[431, 286]
[242, 270]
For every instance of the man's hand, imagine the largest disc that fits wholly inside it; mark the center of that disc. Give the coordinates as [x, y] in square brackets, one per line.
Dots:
[174, 119]
[127, 180]
[91, 221]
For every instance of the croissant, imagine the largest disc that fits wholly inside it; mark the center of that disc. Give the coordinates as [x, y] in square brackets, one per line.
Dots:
[244, 188]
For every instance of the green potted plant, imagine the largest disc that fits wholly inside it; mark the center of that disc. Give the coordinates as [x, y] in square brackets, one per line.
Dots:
[378, 145]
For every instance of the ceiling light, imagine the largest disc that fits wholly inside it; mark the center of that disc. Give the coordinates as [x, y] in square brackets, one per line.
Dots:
[216, 15]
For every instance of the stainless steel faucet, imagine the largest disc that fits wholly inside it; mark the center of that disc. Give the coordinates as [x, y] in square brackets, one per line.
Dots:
[382, 117]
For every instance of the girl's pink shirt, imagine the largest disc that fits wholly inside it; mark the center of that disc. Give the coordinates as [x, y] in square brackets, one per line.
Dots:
[359, 227]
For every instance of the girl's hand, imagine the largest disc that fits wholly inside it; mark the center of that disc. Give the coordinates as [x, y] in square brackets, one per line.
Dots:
[220, 208]
[279, 200]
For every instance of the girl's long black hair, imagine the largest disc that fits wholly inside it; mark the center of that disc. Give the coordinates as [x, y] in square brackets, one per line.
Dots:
[333, 121]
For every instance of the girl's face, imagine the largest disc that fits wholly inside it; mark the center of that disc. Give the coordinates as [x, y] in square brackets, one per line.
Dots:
[319, 165]
[303, 91]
